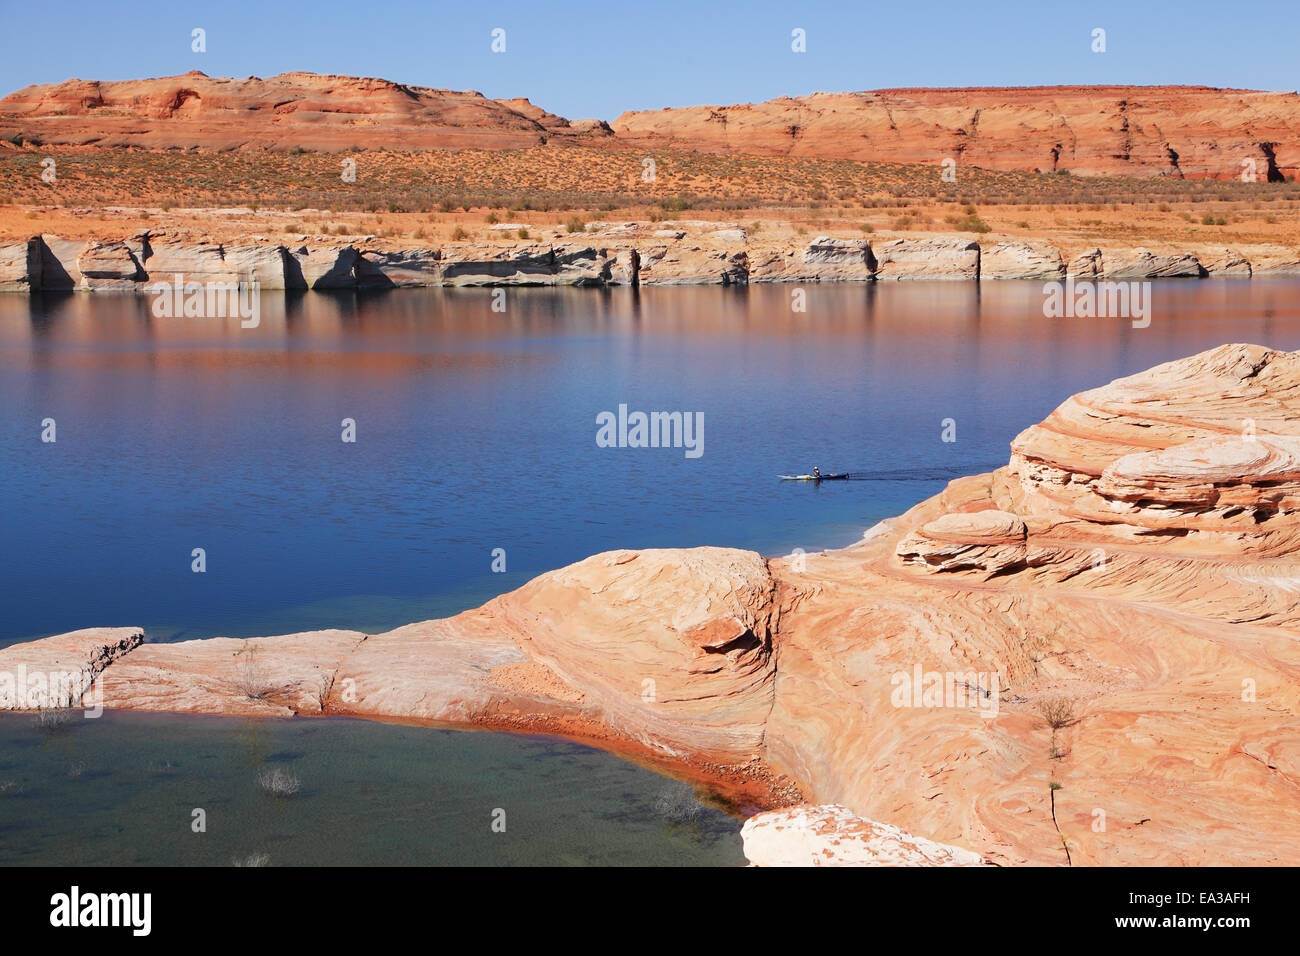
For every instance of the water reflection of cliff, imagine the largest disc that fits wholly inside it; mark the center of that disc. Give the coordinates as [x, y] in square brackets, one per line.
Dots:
[408, 331]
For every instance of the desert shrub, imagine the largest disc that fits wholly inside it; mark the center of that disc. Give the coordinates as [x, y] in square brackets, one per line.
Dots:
[1057, 711]
[278, 782]
[678, 805]
[250, 678]
[972, 224]
[52, 719]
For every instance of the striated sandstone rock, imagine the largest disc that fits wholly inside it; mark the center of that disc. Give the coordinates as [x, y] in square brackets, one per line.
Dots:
[1021, 260]
[726, 236]
[625, 267]
[688, 253]
[562, 264]
[1249, 479]
[1183, 131]
[824, 260]
[1227, 264]
[267, 677]
[263, 263]
[1147, 601]
[440, 670]
[59, 270]
[213, 262]
[988, 540]
[686, 262]
[835, 836]
[620, 229]
[1143, 264]
[57, 671]
[1225, 394]
[1272, 260]
[579, 264]
[697, 677]
[291, 110]
[942, 258]
[20, 266]
[110, 266]
[322, 267]
[1086, 265]
[380, 269]
[193, 261]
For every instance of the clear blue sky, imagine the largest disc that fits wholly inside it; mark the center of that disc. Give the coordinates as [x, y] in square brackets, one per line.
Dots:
[597, 59]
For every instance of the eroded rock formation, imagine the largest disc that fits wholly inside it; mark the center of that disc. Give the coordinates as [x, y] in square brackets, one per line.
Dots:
[835, 836]
[1181, 131]
[287, 111]
[631, 253]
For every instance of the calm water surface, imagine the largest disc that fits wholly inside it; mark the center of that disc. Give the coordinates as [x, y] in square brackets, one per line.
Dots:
[123, 790]
[476, 431]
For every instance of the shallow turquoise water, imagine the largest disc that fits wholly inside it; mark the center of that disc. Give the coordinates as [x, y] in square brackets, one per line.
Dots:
[122, 790]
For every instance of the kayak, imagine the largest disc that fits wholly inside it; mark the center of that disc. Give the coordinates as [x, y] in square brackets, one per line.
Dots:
[843, 476]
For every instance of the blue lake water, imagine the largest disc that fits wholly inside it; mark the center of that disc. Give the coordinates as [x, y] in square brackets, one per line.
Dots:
[475, 431]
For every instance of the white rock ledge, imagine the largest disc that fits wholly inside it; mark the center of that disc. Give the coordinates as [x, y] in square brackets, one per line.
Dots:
[833, 835]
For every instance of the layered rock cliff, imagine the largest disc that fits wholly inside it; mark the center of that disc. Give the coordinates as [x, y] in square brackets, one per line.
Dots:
[288, 111]
[630, 253]
[1179, 131]
[1087, 656]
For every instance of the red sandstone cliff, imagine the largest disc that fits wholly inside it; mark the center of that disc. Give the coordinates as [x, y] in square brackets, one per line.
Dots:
[1188, 131]
[304, 110]
[1104, 130]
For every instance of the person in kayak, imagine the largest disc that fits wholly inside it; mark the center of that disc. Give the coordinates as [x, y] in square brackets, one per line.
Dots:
[817, 472]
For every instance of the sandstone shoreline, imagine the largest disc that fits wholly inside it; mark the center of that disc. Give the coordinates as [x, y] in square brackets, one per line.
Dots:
[606, 254]
[1134, 558]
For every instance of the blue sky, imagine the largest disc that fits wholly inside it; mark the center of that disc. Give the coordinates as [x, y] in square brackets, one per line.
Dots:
[598, 59]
